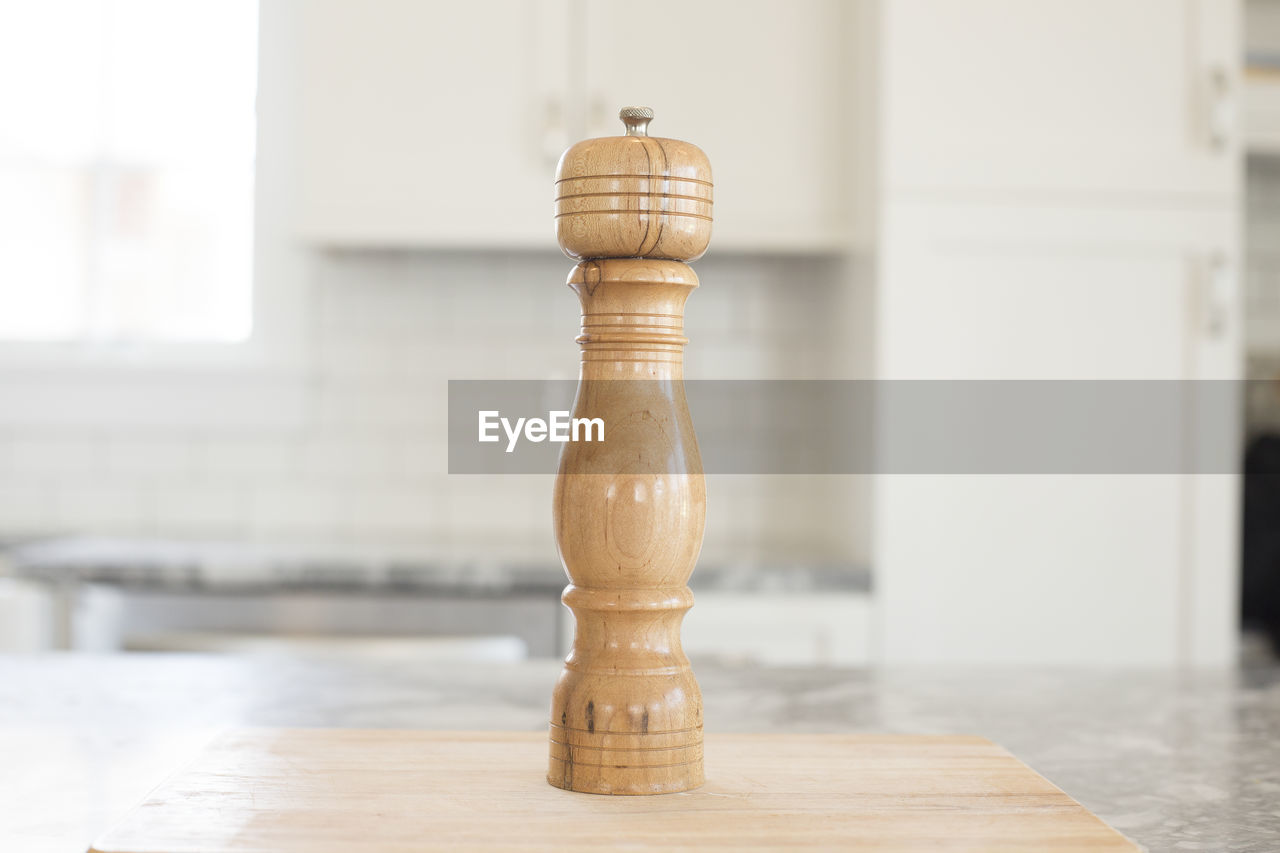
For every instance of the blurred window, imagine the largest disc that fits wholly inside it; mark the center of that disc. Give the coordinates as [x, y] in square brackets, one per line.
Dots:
[126, 169]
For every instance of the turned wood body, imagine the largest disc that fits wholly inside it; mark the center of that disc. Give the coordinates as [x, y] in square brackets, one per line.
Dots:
[629, 515]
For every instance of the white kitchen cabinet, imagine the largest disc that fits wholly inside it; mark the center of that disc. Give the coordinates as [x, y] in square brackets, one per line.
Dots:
[439, 124]
[1071, 569]
[760, 85]
[1101, 96]
[1058, 200]
[1042, 291]
[424, 123]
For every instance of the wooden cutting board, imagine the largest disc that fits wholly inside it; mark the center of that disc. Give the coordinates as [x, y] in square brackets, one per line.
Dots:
[322, 790]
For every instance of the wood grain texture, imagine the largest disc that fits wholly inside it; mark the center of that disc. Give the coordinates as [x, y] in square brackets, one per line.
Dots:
[626, 713]
[324, 791]
[634, 197]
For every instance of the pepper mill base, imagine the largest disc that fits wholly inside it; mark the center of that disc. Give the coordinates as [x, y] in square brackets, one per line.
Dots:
[626, 734]
[631, 767]
[624, 781]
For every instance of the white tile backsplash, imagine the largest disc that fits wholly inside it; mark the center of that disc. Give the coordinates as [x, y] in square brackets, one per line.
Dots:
[235, 459]
[148, 457]
[294, 510]
[36, 455]
[203, 511]
[393, 512]
[353, 448]
[353, 456]
[25, 506]
[110, 508]
[374, 406]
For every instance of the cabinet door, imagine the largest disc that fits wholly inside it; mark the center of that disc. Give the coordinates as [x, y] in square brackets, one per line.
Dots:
[1024, 291]
[757, 84]
[430, 124]
[1100, 569]
[1096, 95]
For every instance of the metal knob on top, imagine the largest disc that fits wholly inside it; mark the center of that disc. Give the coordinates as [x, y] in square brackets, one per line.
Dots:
[636, 119]
[634, 196]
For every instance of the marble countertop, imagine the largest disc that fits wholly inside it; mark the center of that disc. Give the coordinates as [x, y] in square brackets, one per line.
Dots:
[209, 566]
[1176, 761]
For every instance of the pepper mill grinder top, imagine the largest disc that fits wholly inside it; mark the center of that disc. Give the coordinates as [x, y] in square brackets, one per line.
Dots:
[634, 196]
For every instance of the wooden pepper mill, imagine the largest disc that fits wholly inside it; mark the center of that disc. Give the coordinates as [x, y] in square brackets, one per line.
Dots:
[626, 714]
